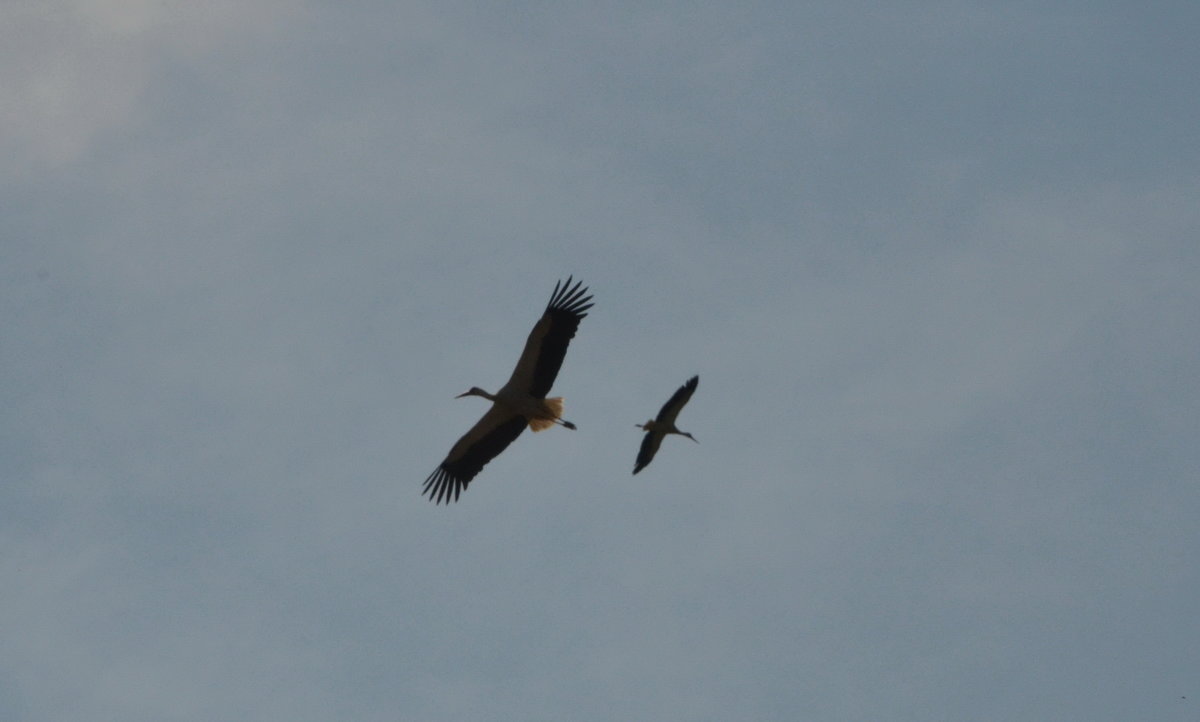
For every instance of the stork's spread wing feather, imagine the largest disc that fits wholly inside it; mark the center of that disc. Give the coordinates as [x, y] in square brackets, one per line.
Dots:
[678, 400]
[548, 341]
[484, 442]
[650, 444]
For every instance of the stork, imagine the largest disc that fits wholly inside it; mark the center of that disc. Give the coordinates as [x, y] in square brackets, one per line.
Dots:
[663, 424]
[519, 403]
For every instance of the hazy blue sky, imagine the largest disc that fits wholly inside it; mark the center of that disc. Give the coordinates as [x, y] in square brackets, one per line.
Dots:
[935, 263]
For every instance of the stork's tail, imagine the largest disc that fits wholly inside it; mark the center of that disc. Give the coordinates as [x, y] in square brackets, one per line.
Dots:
[553, 406]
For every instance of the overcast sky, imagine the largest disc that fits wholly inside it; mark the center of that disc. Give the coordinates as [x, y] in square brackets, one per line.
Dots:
[935, 263]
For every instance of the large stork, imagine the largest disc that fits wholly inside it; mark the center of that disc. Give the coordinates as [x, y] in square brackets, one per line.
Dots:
[664, 423]
[520, 402]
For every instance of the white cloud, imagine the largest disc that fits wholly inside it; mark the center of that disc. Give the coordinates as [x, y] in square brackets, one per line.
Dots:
[73, 70]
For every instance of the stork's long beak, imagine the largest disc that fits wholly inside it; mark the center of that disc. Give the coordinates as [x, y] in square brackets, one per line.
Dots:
[465, 393]
[693, 438]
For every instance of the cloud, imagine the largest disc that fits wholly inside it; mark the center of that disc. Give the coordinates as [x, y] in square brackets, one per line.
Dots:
[75, 70]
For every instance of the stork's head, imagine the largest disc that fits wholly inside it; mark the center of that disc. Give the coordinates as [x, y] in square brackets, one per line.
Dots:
[473, 391]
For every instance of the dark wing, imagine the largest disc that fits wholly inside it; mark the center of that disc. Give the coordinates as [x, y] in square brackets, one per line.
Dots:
[679, 399]
[650, 443]
[548, 341]
[484, 442]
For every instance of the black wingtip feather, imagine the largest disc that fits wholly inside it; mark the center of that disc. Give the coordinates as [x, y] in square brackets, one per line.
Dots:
[443, 486]
[570, 299]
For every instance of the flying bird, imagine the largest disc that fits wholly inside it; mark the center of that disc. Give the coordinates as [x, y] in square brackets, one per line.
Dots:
[664, 424]
[520, 402]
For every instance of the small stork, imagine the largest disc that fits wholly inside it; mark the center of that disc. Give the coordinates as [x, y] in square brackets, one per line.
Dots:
[664, 423]
[520, 402]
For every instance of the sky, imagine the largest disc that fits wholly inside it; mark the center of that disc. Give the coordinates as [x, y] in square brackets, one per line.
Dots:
[935, 263]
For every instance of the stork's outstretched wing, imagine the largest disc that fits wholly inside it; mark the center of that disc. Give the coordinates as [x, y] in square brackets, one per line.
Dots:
[484, 442]
[547, 343]
[650, 444]
[679, 399]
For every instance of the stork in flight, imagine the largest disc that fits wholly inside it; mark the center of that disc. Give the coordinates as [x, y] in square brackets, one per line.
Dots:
[664, 423]
[520, 402]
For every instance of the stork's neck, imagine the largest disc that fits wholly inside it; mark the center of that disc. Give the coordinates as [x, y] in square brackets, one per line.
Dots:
[480, 392]
[476, 391]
